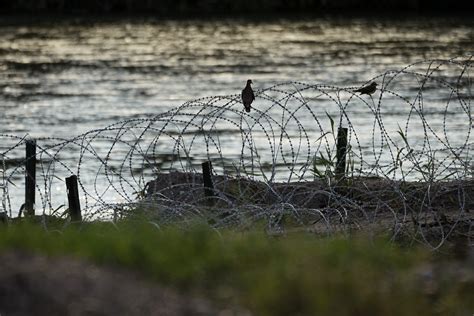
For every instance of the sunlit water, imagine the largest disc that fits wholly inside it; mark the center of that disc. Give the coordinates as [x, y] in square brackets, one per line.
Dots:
[65, 79]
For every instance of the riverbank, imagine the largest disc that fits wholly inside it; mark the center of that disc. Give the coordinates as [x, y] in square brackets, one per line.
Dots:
[430, 212]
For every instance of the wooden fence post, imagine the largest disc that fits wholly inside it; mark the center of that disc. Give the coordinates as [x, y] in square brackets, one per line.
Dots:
[73, 199]
[3, 218]
[341, 150]
[30, 177]
[206, 176]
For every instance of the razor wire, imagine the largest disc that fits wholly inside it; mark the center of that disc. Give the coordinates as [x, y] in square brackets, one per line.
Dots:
[409, 164]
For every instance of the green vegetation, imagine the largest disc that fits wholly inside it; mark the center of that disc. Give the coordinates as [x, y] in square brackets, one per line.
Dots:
[293, 275]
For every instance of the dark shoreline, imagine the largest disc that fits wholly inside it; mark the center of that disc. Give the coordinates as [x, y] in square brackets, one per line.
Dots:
[263, 9]
[70, 18]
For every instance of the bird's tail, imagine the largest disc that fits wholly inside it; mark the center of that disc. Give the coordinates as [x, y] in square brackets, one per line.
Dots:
[247, 109]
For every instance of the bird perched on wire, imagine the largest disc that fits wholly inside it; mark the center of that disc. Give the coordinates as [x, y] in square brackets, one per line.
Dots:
[370, 89]
[247, 96]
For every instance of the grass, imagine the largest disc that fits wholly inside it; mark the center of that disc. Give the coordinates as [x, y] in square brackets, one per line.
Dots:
[294, 275]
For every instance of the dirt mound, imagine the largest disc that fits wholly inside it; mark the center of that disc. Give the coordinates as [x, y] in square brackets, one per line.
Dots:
[39, 285]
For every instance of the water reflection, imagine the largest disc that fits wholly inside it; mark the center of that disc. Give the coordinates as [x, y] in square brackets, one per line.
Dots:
[80, 72]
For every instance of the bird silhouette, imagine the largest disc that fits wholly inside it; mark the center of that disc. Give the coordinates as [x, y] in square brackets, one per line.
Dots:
[247, 96]
[370, 89]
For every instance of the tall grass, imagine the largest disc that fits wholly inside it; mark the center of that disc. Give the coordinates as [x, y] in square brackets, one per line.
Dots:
[294, 275]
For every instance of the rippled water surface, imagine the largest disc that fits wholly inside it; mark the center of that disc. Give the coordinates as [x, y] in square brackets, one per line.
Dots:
[70, 78]
[66, 78]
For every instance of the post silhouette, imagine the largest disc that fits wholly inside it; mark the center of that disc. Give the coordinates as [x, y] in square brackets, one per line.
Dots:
[30, 177]
[73, 199]
[341, 150]
[207, 180]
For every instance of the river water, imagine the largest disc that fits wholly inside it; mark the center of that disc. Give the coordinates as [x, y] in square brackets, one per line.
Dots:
[66, 78]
